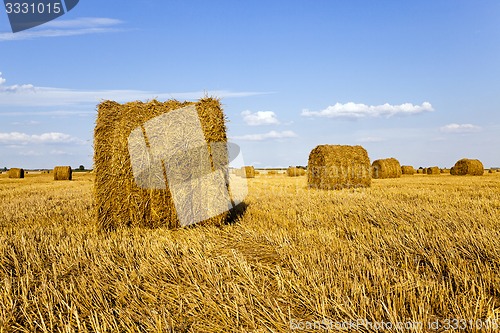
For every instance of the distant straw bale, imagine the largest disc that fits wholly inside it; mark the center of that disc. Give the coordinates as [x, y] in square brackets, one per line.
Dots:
[445, 170]
[248, 172]
[467, 166]
[408, 170]
[386, 168]
[63, 173]
[338, 166]
[272, 172]
[421, 171]
[490, 171]
[294, 172]
[183, 170]
[16, 173]
[433, 170]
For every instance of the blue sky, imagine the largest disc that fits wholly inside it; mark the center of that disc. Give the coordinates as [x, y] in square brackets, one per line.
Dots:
[415, 80]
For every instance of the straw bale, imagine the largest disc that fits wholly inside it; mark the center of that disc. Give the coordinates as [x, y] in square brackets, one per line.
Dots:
[407, 170]
[467, 166]
[295, 172]
[63, 173]
[248, 172]
[386, 168]
[338, 166]
[433, 170]
[16, 173]
[120, 201]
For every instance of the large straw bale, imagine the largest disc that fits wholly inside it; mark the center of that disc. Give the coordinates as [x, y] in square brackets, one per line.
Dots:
[386, 168]
[63, 173]
[16, 173]
[120, 201]
[248, 172]
[338, 166]
[467, 166]
[407, 170]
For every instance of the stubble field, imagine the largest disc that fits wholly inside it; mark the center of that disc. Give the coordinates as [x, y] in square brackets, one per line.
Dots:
[415, 254]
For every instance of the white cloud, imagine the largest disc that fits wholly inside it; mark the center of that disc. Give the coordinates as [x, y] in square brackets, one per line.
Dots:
[266, 136]
[355, 111]
[83, 22]
[59, 152]
[460, 128]
[2, 80]
[369, 139]
[30, 95]
[260, 118]
[60, 28]
[30, 153]
[42, 96]
[17, 138]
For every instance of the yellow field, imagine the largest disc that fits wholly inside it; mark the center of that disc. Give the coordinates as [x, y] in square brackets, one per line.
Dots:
[421, 250]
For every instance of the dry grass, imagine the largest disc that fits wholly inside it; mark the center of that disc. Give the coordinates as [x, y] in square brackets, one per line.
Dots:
[412, 249]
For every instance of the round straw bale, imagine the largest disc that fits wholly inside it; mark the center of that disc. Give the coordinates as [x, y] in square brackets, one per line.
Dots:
[293, 172]
[16, 173]
[433, 170]
[445, 170]
[386, 168]
[338, 166]
[467, 166]
[63, 173]
[490, 171]
[248, 172]
[407, 170]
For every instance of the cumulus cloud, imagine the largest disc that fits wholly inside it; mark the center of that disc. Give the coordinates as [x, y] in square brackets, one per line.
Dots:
[17, 138]
[356, 111]
[260, 118]
[2, 80]
[460, 128]
[61, 28]
[266, 136]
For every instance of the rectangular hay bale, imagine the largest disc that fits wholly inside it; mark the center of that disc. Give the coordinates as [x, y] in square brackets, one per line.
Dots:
[126, 197]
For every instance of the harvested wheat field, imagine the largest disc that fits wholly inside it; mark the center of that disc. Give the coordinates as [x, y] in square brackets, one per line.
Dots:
[415, 250]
